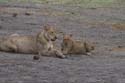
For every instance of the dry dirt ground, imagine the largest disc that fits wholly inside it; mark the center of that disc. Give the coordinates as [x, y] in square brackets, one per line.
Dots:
[106, 65]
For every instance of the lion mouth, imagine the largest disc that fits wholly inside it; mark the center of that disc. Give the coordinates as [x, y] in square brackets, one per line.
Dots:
[54, 39]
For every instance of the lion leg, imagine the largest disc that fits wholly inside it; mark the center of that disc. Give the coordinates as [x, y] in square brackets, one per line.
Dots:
[3, 47]
[37, 57]
[52, 52]
[12, 47]
[89, 53]
[8, 46]
[65, 51]
[58, 53]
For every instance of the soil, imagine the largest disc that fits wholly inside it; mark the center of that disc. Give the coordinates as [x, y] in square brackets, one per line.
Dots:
[93, 24]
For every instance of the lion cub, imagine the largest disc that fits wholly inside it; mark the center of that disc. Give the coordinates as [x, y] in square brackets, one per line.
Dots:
[41, 44]
[71, 46]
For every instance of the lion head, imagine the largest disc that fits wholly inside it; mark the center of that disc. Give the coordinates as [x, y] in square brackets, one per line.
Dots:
[49, 33]
[67, 43]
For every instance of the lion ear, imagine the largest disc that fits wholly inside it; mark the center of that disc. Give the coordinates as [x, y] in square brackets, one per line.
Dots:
[46, 27]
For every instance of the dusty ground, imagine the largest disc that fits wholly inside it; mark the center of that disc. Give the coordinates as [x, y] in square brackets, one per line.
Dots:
[104, 66]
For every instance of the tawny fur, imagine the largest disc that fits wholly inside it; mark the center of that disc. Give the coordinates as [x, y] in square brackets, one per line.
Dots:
[41, 44]
[71, 46]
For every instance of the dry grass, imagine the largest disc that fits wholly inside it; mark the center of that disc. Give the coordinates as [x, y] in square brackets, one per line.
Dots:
[120, 26]
[116, 25]
[119, 48]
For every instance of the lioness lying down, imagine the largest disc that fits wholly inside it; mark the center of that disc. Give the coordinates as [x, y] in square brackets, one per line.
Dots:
[41, 44]
[71, 46]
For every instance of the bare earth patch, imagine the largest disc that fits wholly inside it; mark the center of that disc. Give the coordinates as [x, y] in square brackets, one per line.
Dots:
[119, 48]
[119, 26]
[103, 66]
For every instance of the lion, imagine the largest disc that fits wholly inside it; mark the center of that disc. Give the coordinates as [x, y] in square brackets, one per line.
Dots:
[41, 44]
[71, 46]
